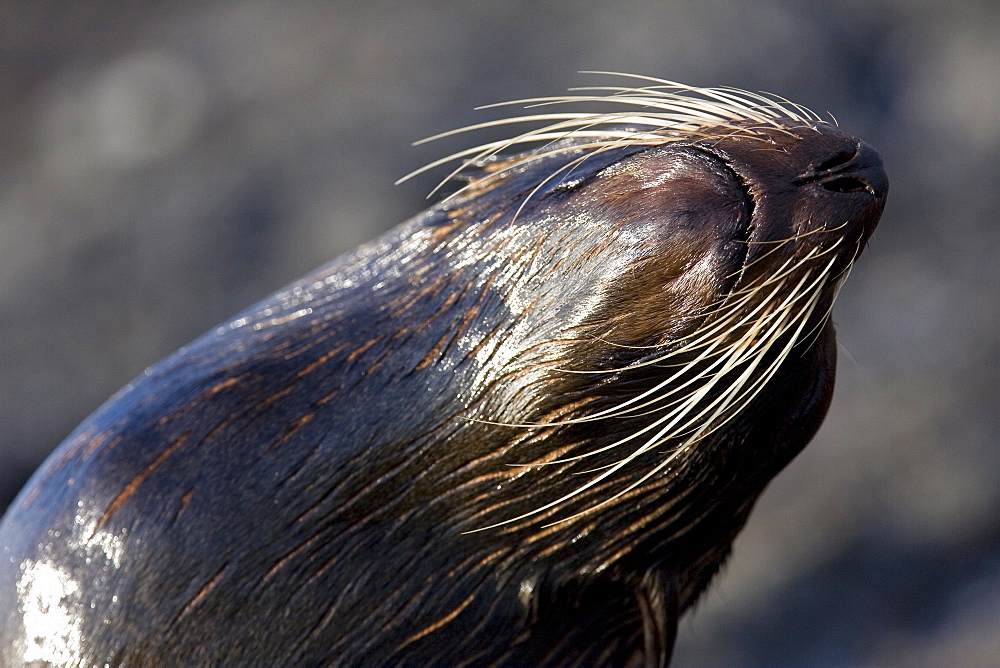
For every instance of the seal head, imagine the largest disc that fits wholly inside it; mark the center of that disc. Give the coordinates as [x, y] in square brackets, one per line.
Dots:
[523, 427]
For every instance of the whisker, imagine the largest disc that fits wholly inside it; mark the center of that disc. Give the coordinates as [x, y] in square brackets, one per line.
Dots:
[737, 344]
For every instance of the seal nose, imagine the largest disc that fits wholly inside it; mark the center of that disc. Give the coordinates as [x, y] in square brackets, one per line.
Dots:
[861, 171]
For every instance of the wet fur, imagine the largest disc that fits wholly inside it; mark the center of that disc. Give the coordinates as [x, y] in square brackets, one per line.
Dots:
[523, 427]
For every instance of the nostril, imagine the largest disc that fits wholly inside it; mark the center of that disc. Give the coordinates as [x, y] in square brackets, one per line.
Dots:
[837, 160]
[854, 170]
[847, 184]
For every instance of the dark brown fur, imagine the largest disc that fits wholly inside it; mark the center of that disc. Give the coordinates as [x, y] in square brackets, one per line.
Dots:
[432, 452]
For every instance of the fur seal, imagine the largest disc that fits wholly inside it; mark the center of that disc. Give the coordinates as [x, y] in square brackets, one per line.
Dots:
[523, 427]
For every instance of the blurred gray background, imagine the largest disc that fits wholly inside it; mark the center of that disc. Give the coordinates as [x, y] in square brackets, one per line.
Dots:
[163, 165]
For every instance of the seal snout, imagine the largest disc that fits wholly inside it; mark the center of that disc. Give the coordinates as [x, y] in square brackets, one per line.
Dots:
[860, 170]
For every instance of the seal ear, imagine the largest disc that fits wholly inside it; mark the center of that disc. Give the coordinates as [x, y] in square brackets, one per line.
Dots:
[657, 599]
[586, 619]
